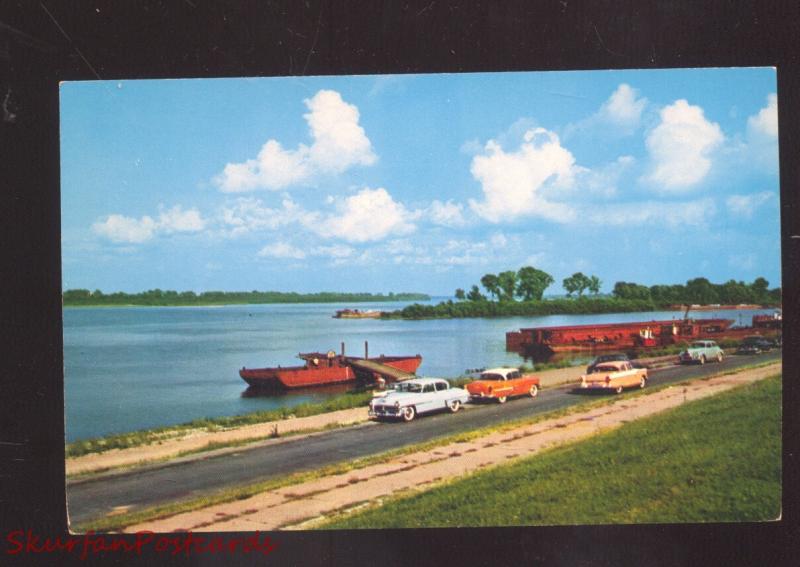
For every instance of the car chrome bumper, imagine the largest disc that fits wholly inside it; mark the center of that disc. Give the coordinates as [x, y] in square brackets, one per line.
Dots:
[384, 411]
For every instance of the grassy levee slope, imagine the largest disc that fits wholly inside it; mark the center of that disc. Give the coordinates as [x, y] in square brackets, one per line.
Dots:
[714, 460]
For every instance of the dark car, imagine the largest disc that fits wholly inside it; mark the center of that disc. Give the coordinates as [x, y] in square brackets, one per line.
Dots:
[611, 357]
[755, 345]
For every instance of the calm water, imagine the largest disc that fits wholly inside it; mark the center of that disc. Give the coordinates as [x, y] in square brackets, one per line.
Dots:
[138, 367]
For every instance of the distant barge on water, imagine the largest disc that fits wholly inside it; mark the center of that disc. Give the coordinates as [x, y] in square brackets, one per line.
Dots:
[357, 314]
[323, 369]
[629, 336]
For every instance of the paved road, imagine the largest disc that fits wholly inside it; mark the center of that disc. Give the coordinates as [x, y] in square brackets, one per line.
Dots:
[96, 498]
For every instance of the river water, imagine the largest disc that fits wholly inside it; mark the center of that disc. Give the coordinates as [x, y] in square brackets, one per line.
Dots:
[131, 368]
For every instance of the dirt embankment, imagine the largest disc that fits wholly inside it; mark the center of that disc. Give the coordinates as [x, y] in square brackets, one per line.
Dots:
[303, 505]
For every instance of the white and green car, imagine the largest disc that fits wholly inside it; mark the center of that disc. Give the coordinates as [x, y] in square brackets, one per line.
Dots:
[415, 396]
[700, 352]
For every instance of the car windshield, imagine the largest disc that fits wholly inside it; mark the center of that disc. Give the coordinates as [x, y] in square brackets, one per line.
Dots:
[491, 376]
[606, 369]
[408, 387]
[698, 345]
[608, 358]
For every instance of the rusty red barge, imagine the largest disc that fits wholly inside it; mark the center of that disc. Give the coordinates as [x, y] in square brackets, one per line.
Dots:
[323, 369]
[634, 335]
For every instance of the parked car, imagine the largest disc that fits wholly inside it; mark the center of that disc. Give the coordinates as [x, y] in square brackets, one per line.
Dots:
[701, 352]
[416, 396]
[610, 357]
[503, 383]
[755, 345]
[615, 375]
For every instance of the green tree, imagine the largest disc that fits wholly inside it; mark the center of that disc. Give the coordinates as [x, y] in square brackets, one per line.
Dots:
[532, 283]
[668, 293]
[492, 284]
[576, 283]
[734, 292]
[760, 289]
[701, 291]
[460, 294]
[629, 290]
[594, 284]
[475, 294]
[507, 282]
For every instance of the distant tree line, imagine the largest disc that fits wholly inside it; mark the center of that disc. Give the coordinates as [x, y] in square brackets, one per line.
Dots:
[700, 291]
[514, 293]
[157, 297]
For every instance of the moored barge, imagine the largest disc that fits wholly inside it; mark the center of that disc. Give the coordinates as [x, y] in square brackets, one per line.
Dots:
[634, 335]
[322, 369]
[357, 314]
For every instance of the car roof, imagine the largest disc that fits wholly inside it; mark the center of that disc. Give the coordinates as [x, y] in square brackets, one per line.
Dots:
[617, 364]
[500, 370]
[424, 380]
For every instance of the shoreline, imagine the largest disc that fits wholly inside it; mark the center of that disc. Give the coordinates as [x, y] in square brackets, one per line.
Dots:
[199, 442]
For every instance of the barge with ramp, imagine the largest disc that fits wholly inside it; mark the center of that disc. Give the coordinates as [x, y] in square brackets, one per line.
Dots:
[322, 369]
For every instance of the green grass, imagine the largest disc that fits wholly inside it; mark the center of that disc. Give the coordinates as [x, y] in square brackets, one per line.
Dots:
[714, 460]
[150, 436]
[115, 523]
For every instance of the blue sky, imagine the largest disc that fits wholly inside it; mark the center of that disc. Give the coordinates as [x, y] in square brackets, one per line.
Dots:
[419, 182]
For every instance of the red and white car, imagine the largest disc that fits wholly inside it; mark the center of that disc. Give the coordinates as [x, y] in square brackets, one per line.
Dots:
[503, 383]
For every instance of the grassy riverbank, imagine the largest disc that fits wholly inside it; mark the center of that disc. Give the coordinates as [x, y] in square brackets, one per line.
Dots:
[714, 460]
[156, 435]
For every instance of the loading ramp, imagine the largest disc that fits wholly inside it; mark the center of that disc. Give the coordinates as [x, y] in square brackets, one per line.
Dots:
[388, 373]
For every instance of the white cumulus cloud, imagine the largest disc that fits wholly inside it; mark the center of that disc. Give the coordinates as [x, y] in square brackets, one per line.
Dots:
[339, 142]
[681, 145]
[247, 214]
[623, 108]
[447, 214]
[766, 121]
[178, 220]
[119, 228]
[513, 182]
[619, 115]
[370, 214]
